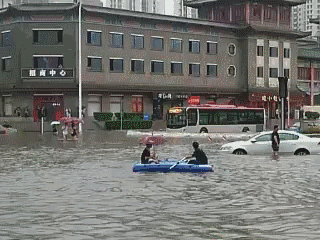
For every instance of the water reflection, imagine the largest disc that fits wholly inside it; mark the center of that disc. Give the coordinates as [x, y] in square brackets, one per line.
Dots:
[51, 189]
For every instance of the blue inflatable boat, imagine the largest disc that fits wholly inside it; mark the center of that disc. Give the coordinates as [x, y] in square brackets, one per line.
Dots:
[172, 166]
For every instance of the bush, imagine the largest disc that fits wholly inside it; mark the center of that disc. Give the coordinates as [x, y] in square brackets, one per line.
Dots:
[107, 116]
[127, 124]
[312, 115]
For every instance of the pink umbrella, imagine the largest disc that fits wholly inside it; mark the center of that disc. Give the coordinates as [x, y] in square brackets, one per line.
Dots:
[154, 140]
[70, 120]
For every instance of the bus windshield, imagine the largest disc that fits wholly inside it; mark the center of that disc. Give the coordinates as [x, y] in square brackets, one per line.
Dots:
[176, 119]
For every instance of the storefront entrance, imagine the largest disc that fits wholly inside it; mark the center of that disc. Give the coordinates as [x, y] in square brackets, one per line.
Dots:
[52, 103]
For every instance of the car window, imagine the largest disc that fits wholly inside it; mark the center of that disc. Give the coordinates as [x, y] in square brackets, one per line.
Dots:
[288, 136]
[264, 138]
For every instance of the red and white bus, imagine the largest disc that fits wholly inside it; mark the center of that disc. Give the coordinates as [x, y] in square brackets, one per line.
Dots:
[208, 118]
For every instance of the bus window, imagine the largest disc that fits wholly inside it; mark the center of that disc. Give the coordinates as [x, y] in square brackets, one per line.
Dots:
[205, 117]
[259, 117]
[192, 117]
[232, 117]
[243, 117]
[223, 118]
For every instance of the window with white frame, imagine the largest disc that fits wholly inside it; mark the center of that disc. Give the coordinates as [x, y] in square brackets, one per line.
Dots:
[232, 71]
[6, 64]
[176, 45]
[273, 52]
[94, 37]
[260, 51]
[47, 36]
[156, 43]
[212, 70]
[5, 38]
[176, 68]
[232, 49]
[260, 72]
[157, 66]
[47, 61]
[94, 63]
[137, 41]
[286, 72]
[194, 46]
[137, 66]
[194, 69]
[286, 53]
[273, 72]
[116, 40]
[116, 65]
[212, 47]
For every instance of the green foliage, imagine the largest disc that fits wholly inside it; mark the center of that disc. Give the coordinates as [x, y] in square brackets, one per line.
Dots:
[312, 115]
[107, 116]
[127, 124]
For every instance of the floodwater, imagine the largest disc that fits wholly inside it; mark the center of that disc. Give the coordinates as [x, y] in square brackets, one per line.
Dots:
[86, 189]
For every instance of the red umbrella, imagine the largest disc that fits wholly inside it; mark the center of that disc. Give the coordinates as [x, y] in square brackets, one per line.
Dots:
[154, 140]
[70, 120]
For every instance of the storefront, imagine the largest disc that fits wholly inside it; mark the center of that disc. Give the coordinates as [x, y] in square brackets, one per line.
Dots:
[52, 103]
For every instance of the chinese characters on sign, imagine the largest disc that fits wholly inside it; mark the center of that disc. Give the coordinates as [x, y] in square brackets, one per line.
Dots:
[182, 96]
[164, 96]
[47, 73]
[269, 98]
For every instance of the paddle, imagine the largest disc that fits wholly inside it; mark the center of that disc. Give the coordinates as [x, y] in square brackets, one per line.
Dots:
[177, 163]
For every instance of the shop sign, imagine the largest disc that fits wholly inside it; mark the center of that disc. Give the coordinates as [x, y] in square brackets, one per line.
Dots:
[270, 98]
[194, 100]
[47, 73]
[182, 96]
[164, 96]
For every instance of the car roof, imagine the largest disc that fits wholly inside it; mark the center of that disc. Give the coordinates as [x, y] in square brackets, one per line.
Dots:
[281, 131]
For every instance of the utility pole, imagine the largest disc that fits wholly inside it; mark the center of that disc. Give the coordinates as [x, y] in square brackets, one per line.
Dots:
[283, 92]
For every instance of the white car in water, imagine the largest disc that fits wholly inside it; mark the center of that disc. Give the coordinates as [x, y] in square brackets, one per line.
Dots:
[290, 143]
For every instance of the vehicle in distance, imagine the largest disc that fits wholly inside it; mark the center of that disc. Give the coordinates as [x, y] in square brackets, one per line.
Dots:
[290, 143]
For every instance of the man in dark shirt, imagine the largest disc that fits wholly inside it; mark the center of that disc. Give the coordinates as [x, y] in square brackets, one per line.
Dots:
[146, 156]
[275, 139]
[200, 156]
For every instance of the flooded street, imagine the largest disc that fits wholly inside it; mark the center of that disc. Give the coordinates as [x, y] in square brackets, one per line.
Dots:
[54, 190]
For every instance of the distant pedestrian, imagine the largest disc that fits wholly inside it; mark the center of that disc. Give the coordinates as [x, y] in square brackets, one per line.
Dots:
[275, 139]
[74, 130]
[65, 131]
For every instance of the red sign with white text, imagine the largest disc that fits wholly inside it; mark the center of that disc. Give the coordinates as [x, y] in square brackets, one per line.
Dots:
[194, 100]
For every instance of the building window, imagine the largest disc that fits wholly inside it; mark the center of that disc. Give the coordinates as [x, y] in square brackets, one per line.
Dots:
[260, 72]
[137, 104]
[47, 36]
[194, 69]
[232, 49]
[116, 40]
[286, 72]
[273, 52]
[176, 68]
[6, 64]
[212, 47]
[137, 41]
[94, 37]
[212, 70]
[232, 71]
[5, 38]
[137, 66]
[176, 45]
[94, 64]
[260, 51]
[157, 66]
[156, 43]
[270, 13]
[273, 73]
[286, 53]
[48, 61]
[116, 65]
[303, 73]
[194, 46]
[255, 13]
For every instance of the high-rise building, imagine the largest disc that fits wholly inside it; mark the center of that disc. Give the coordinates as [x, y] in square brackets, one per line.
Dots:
[301, 15]
[167, 7]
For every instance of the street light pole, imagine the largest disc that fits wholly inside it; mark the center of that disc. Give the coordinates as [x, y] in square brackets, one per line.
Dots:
[79, 71]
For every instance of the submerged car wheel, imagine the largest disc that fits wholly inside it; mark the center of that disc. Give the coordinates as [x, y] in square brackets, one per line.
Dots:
[239, 152]
[302, 152]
